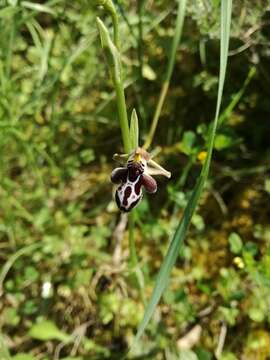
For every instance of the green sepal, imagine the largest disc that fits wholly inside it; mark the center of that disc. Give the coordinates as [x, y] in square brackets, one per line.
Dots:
[134, 130]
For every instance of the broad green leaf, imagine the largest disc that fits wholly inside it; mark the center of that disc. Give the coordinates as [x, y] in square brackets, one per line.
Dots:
[134, 130]
[223, 141]
[47, 330]
[235, 243]
[187, 355]
[187, 142]
[181, 231]
[203, 354]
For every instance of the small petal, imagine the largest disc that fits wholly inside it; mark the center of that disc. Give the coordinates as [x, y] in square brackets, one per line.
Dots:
[149, 183]
[119, 175]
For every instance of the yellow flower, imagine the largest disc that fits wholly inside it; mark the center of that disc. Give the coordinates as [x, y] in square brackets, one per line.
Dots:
[202, 156]
[239, 262]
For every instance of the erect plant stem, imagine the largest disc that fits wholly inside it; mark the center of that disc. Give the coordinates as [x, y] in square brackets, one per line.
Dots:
[131, 239]
[114, 62]
[122, 113]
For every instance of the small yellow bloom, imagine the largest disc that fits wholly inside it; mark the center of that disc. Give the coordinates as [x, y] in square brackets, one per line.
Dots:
[239, 262]
[202, 156]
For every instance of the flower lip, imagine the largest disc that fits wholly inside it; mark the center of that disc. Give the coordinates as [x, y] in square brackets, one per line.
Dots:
[135, 169]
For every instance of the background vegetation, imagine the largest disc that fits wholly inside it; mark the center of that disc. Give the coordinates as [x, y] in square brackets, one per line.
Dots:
[66, 284]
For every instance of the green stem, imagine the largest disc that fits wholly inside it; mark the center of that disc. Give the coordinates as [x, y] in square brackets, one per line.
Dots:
[122, 112]
[131, 239]
[116, 30]
[110, 8]
[114, 62]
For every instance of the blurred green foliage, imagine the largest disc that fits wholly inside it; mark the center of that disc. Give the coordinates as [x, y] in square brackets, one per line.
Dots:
[67, 291]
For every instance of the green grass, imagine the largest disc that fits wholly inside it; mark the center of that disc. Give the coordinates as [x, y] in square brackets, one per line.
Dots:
[60, 229]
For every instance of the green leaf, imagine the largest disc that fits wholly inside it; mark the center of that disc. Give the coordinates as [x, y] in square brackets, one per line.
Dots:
[256, 314]
[267, 185]
[181, 231]
[47, 330]
[134, 130]
[37, 7]
[112, 54]
[228, 356]
[110, 8]
[187, 355]
[187, 143]
[203, 354]
[223, 141]
[87, 156]
[236, 243]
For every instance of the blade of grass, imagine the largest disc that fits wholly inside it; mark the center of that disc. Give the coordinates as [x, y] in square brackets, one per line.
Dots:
[180, 233]
[177, 36]
[37, 7]
[237, 97]
[8, 265]
[140, 5]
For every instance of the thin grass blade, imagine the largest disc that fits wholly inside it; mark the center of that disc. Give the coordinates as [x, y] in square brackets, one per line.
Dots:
[180, 233]
[8, 265]
[177, 36]
[37, 7]
[181, 11]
